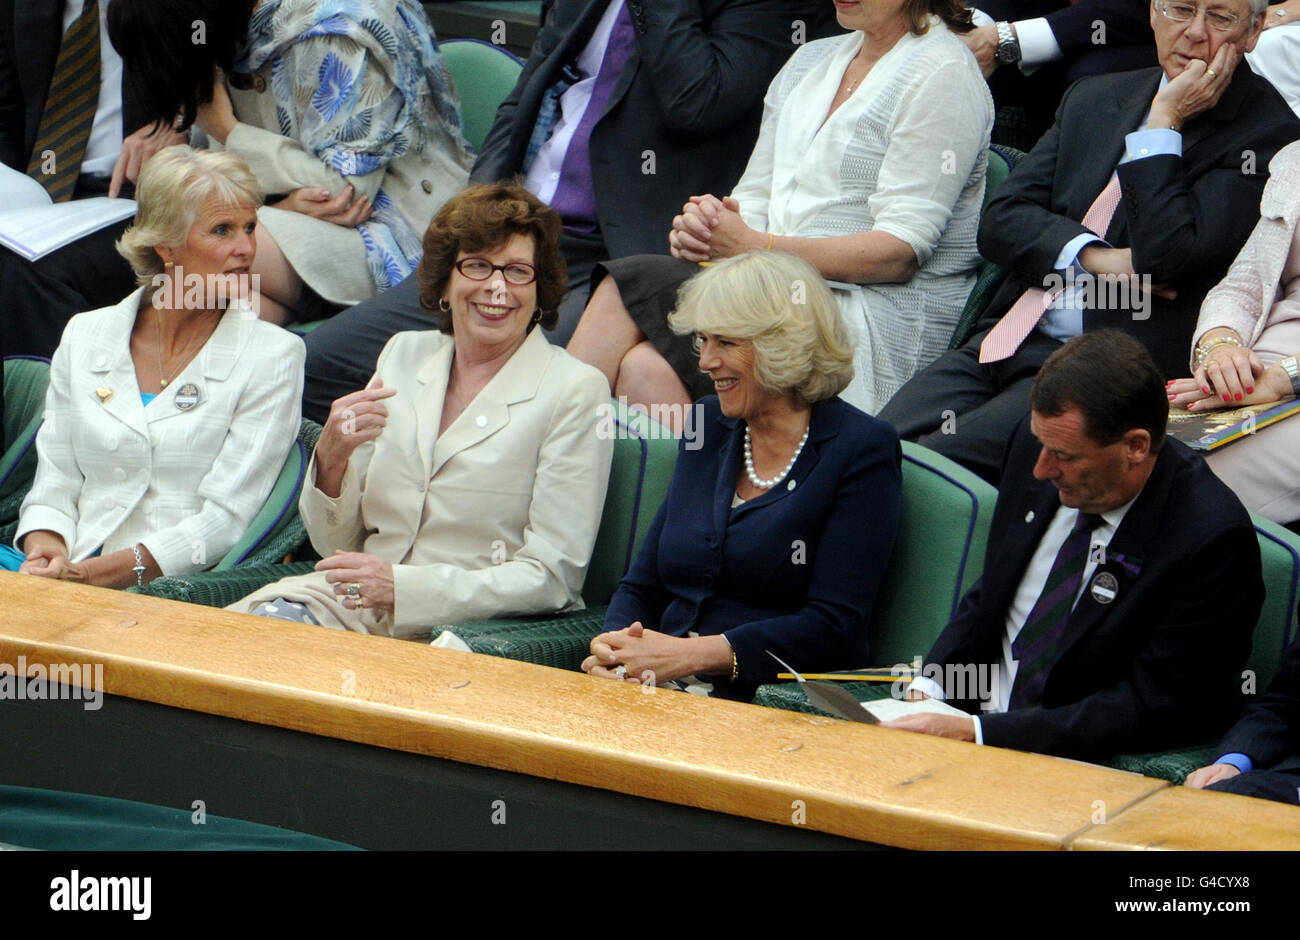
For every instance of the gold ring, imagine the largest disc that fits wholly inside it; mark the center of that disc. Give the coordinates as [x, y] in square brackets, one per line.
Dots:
[1210, 73]
[360, 604]
[354, 589]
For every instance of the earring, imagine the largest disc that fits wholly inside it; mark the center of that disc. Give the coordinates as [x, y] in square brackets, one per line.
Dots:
[443, 305]
[168, 265]
[537, 317]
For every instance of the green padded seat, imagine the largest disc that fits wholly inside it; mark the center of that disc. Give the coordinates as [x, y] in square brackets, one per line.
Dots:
[54, 820]
[26, 379]
[483, 74]
[644, 456]
[1002, 160]
[938, 555]
[1279, 551]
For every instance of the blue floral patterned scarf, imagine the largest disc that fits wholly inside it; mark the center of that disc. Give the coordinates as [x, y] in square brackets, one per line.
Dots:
[374, 86]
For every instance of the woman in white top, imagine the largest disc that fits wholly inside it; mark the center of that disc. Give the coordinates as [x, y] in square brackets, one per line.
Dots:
[870, 164]
[169, 415]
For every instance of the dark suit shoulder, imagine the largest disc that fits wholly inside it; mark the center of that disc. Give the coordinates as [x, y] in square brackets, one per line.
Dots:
[1200, 500]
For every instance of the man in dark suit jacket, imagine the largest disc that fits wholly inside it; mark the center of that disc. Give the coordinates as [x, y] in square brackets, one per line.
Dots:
[681, 119]
[39, 298]
[1190, 184]
[1260, 756]
[1034, 49]
[1141, 647]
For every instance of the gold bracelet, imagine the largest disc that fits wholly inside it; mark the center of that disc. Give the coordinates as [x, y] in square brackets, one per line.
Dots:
[735, 667]
[771, 240]
[1203, 351]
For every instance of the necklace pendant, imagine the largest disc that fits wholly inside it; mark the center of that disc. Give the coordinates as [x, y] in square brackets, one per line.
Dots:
[162, 383]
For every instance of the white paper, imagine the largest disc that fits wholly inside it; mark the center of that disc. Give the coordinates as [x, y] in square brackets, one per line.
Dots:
[20, 191]
[887, 709]
[35, 231]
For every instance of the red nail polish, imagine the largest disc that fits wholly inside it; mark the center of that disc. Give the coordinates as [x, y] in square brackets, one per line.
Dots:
[1239, 396]
[1227, 398]
[1250, 391]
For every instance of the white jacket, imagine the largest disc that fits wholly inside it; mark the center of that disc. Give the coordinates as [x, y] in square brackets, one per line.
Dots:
[185, 482]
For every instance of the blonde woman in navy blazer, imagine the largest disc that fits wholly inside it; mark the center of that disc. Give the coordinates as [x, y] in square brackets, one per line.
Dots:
[781, 516]
[169, 415]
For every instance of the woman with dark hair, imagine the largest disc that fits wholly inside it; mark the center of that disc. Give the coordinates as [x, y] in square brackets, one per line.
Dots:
[869, 165]
[343, 110]
[466, 480]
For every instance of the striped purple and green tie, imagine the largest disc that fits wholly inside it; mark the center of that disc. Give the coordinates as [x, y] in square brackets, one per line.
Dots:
[69, 108]
[1035, 646]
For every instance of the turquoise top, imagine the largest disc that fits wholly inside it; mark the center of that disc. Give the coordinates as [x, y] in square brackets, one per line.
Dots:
[145, 397]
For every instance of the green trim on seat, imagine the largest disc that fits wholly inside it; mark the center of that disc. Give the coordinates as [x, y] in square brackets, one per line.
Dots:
[277, 529]
[221, 588]
[484, 75]
[939, 553]
[26, 379]
[1002, 160]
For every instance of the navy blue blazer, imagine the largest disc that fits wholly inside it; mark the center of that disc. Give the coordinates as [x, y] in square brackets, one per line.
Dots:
[1155, 666]
[795, 570]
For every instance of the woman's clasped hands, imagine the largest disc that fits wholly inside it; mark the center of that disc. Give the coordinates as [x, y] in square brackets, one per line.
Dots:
[710, 228]
[1230, 375]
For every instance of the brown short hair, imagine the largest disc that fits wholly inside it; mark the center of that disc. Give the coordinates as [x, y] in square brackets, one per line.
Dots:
[484, 216]
[955, 15]
[1111, 378]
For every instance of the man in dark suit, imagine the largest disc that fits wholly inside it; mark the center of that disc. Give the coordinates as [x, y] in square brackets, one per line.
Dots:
[1189, 151]
[679, 117]
[1121, 581]
[1260, 756]
[38, 298]
[1031, 50]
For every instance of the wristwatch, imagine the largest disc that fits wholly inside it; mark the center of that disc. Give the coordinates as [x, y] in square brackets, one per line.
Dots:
[1008, 51]
[1292, 370]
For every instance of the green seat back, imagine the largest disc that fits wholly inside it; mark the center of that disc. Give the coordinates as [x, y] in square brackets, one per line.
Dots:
[26, 379]
[1280, 553]
[938, 555]
[1002, 160]
[483, 74]
[644, 456]
[277, 528]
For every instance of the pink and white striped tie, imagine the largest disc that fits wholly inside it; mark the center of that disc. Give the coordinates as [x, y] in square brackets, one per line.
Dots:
[1018, 322]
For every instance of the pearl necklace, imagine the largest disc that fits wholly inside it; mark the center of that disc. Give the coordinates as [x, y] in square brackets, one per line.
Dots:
[749, 462]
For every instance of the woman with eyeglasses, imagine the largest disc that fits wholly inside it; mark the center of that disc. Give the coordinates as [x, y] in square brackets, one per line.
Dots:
[466, 480]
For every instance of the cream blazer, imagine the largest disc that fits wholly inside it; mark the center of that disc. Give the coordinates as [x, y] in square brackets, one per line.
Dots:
[330, 258]
[496, 517]
[1246, 298]
[184, 481]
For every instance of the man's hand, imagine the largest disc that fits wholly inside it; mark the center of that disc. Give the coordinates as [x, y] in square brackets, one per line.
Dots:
[983, 41]
[1113, 263]
[342, 209]
[943, 726]
[136, 150]
[1202, 777]
[1197, 89]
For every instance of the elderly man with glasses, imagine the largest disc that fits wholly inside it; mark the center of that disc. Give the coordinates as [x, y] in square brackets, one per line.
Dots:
[1125, 214]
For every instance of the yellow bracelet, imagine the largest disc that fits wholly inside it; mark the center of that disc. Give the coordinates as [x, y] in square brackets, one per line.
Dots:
[735, 667]
[771, 239]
